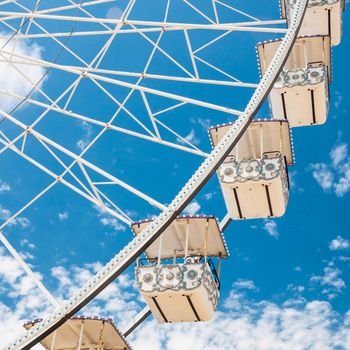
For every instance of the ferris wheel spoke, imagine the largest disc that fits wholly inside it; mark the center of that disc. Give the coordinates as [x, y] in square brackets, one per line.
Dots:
[151, 25]
[121, 107]
[86, 163]
[168, 109]
[183, 139]
[27, 205]
[67, 170]
[48, 108]
[150, 114]
[198, 11]
[62, 45]
[91, 15]
[217, 69]
[165, 94]
[136, 29]
[34, 85]
[175, 78]
[164, 52]
[212, 41]
[124, 84]
[97, 195]
[75, 5]
[34, 277]
[111, 127]
[60, 179]
[193, 60]
[215, 11]
[109, 201]
[236, 10]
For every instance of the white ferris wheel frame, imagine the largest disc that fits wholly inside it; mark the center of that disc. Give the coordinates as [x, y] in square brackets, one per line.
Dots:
[125, 257]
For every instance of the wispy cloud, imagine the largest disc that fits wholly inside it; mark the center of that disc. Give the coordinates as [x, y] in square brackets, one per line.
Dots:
[13, 75]
[203, 122]
[86, 138]
[339, 243]
[334, 177]
[63, 216]
[17, 286]
[4, 187]
[246, 324]
[208, 196]
[22, 221]
[118, 300]
[193, 208]
[109, 221]
[244, 284]
[114, 13]
[331, 282]
[191, 138]
[25, 243]
[112, 222]
[271, 227]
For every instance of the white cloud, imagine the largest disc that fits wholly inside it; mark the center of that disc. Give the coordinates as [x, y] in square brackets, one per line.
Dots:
[11, 79]
[335, 176]
[292, 178]
[204, 123]
[208, 196]
[108, 220]
[63, 216]
[297, 289]
[112, 222]
[338, 97]
[330, 281]
[26, 243]
[85, 140]
[22, 221]
[27, 301]
[242, 324]
[339, 243]
[244, 284]
[253, 325]
[323, 175]
[114, 13]
[193, 208]
[339, 154]
[271, 227]
[4, 213]
[191, 138]
[118, 301]
[4, 187]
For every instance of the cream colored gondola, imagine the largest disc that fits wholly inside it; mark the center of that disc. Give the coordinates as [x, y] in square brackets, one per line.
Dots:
[300, 95]
[179, 281]
[254, 177]
[84, 333]
[322, 17]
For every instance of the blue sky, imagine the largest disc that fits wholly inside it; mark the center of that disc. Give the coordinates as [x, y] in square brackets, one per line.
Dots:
[286, 283]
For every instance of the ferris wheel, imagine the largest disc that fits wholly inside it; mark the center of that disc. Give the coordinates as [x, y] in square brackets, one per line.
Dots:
[102, 104]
